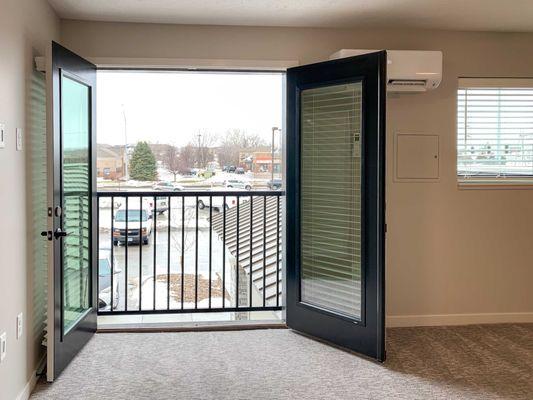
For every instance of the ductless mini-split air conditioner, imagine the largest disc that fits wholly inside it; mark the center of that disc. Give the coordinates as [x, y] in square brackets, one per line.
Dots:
[407, 70]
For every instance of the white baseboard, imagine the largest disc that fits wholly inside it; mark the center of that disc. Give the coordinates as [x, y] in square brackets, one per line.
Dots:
[457, 319]
[26, 392]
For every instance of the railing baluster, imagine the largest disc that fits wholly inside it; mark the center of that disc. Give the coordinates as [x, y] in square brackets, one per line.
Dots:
[250, 268]
[182, 251]
[264, 248]
[154, 226]
[216, 223]
[126, 254]
[98, 254]
[237, 257]
[224, 252]
[112, 250]
[210, 243]
[140, 251]
[169, 238]
[196, 260]
[277, 253]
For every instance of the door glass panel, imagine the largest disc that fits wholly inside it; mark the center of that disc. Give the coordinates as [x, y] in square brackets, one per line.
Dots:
[331, 198]
[76, 180]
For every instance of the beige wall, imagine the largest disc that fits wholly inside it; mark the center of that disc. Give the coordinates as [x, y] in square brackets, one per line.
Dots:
[26, 28]
[450, 253]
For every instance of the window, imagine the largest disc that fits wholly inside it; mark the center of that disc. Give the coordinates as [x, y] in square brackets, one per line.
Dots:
[167, 118]
[495, 131]
[133, 216]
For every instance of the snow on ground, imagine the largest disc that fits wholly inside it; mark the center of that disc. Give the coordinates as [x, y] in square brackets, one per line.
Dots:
[161, 297]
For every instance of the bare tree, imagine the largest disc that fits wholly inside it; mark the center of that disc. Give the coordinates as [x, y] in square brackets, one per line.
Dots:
[171, 160]
[186, 158]
[204, 142]
[235, 141]
[189, 237]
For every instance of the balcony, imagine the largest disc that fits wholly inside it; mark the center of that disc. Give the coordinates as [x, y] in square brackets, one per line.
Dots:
[189, 252]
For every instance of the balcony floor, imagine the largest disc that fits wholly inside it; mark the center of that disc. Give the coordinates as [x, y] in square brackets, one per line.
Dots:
[464, 362]
[184, 321]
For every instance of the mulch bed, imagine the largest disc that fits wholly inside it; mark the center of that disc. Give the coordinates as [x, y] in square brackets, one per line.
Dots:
[189, 286]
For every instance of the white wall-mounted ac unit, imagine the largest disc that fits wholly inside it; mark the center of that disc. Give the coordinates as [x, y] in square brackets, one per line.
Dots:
[407, 70]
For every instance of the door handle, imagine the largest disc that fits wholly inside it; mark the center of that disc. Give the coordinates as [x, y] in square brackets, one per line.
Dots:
[47, 234]
[59, 233]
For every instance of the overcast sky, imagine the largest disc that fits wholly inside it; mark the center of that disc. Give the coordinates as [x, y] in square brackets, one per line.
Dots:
[171, 107]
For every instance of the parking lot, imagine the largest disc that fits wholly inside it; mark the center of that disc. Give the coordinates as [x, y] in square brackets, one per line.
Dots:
[163, 254]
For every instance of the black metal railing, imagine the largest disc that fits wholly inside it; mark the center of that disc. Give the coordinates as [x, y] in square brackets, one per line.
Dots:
[189, 251]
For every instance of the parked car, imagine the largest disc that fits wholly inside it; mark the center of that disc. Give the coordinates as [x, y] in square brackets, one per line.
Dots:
[274, 184]
[238, 184]
[168, 187]
[239, 170]
[217, 202]
[206, 174]
[161, 204]
[139, 221]
[104, 281]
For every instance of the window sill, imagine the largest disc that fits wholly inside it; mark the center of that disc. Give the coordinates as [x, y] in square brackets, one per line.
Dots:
[495, 184]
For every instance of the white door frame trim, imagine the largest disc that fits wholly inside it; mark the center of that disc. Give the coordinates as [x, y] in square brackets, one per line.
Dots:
[192, 63]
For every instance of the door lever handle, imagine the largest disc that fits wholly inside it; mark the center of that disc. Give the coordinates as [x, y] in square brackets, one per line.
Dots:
[47, 234]
[59, 233]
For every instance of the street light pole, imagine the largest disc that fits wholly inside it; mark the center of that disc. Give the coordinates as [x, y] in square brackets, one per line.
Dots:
[274, 129]
[199, 156]
[125, 144]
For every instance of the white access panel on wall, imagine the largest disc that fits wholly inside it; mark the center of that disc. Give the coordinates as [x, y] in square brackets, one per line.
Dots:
[416, 157]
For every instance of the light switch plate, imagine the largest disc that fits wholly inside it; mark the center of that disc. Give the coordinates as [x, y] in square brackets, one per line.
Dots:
[20, 325]
[3, 346]
[2, 136]
[20, 132]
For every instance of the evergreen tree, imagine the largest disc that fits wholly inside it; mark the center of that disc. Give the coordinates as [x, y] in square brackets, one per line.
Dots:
[142, 164]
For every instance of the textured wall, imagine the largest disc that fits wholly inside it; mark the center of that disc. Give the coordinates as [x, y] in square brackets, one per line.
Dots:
[26, 28]
[450, 252]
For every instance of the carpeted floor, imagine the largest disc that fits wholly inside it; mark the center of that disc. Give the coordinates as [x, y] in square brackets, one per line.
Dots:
[464, 362]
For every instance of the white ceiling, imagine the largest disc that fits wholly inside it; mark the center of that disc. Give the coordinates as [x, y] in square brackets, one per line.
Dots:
[473, 15]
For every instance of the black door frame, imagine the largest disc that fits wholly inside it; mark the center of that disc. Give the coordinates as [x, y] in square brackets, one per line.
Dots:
[66, 346]
[367, 335]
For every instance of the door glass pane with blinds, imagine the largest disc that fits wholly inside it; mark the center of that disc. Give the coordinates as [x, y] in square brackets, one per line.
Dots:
[495, 129]
[76, 200]
[330, 184]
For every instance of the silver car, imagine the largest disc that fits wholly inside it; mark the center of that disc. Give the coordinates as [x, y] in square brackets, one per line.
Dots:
[104, 281]
[238, 184]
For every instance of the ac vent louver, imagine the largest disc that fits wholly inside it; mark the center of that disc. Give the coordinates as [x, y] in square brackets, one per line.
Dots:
[398, 82]
[414, 71]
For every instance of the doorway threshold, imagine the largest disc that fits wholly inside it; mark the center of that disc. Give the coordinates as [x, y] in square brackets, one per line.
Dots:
[190, 322]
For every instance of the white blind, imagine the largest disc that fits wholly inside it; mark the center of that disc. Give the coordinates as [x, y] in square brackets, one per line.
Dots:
[495, 129]
[330, 198]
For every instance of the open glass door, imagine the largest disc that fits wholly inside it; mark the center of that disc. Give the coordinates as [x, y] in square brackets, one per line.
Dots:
[335, 201]
[72, 305]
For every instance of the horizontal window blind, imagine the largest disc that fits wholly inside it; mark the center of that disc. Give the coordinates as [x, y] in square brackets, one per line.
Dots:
[495, 130]
[330, 198]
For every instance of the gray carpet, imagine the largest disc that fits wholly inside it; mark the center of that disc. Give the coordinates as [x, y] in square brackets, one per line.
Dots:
[467, 362]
